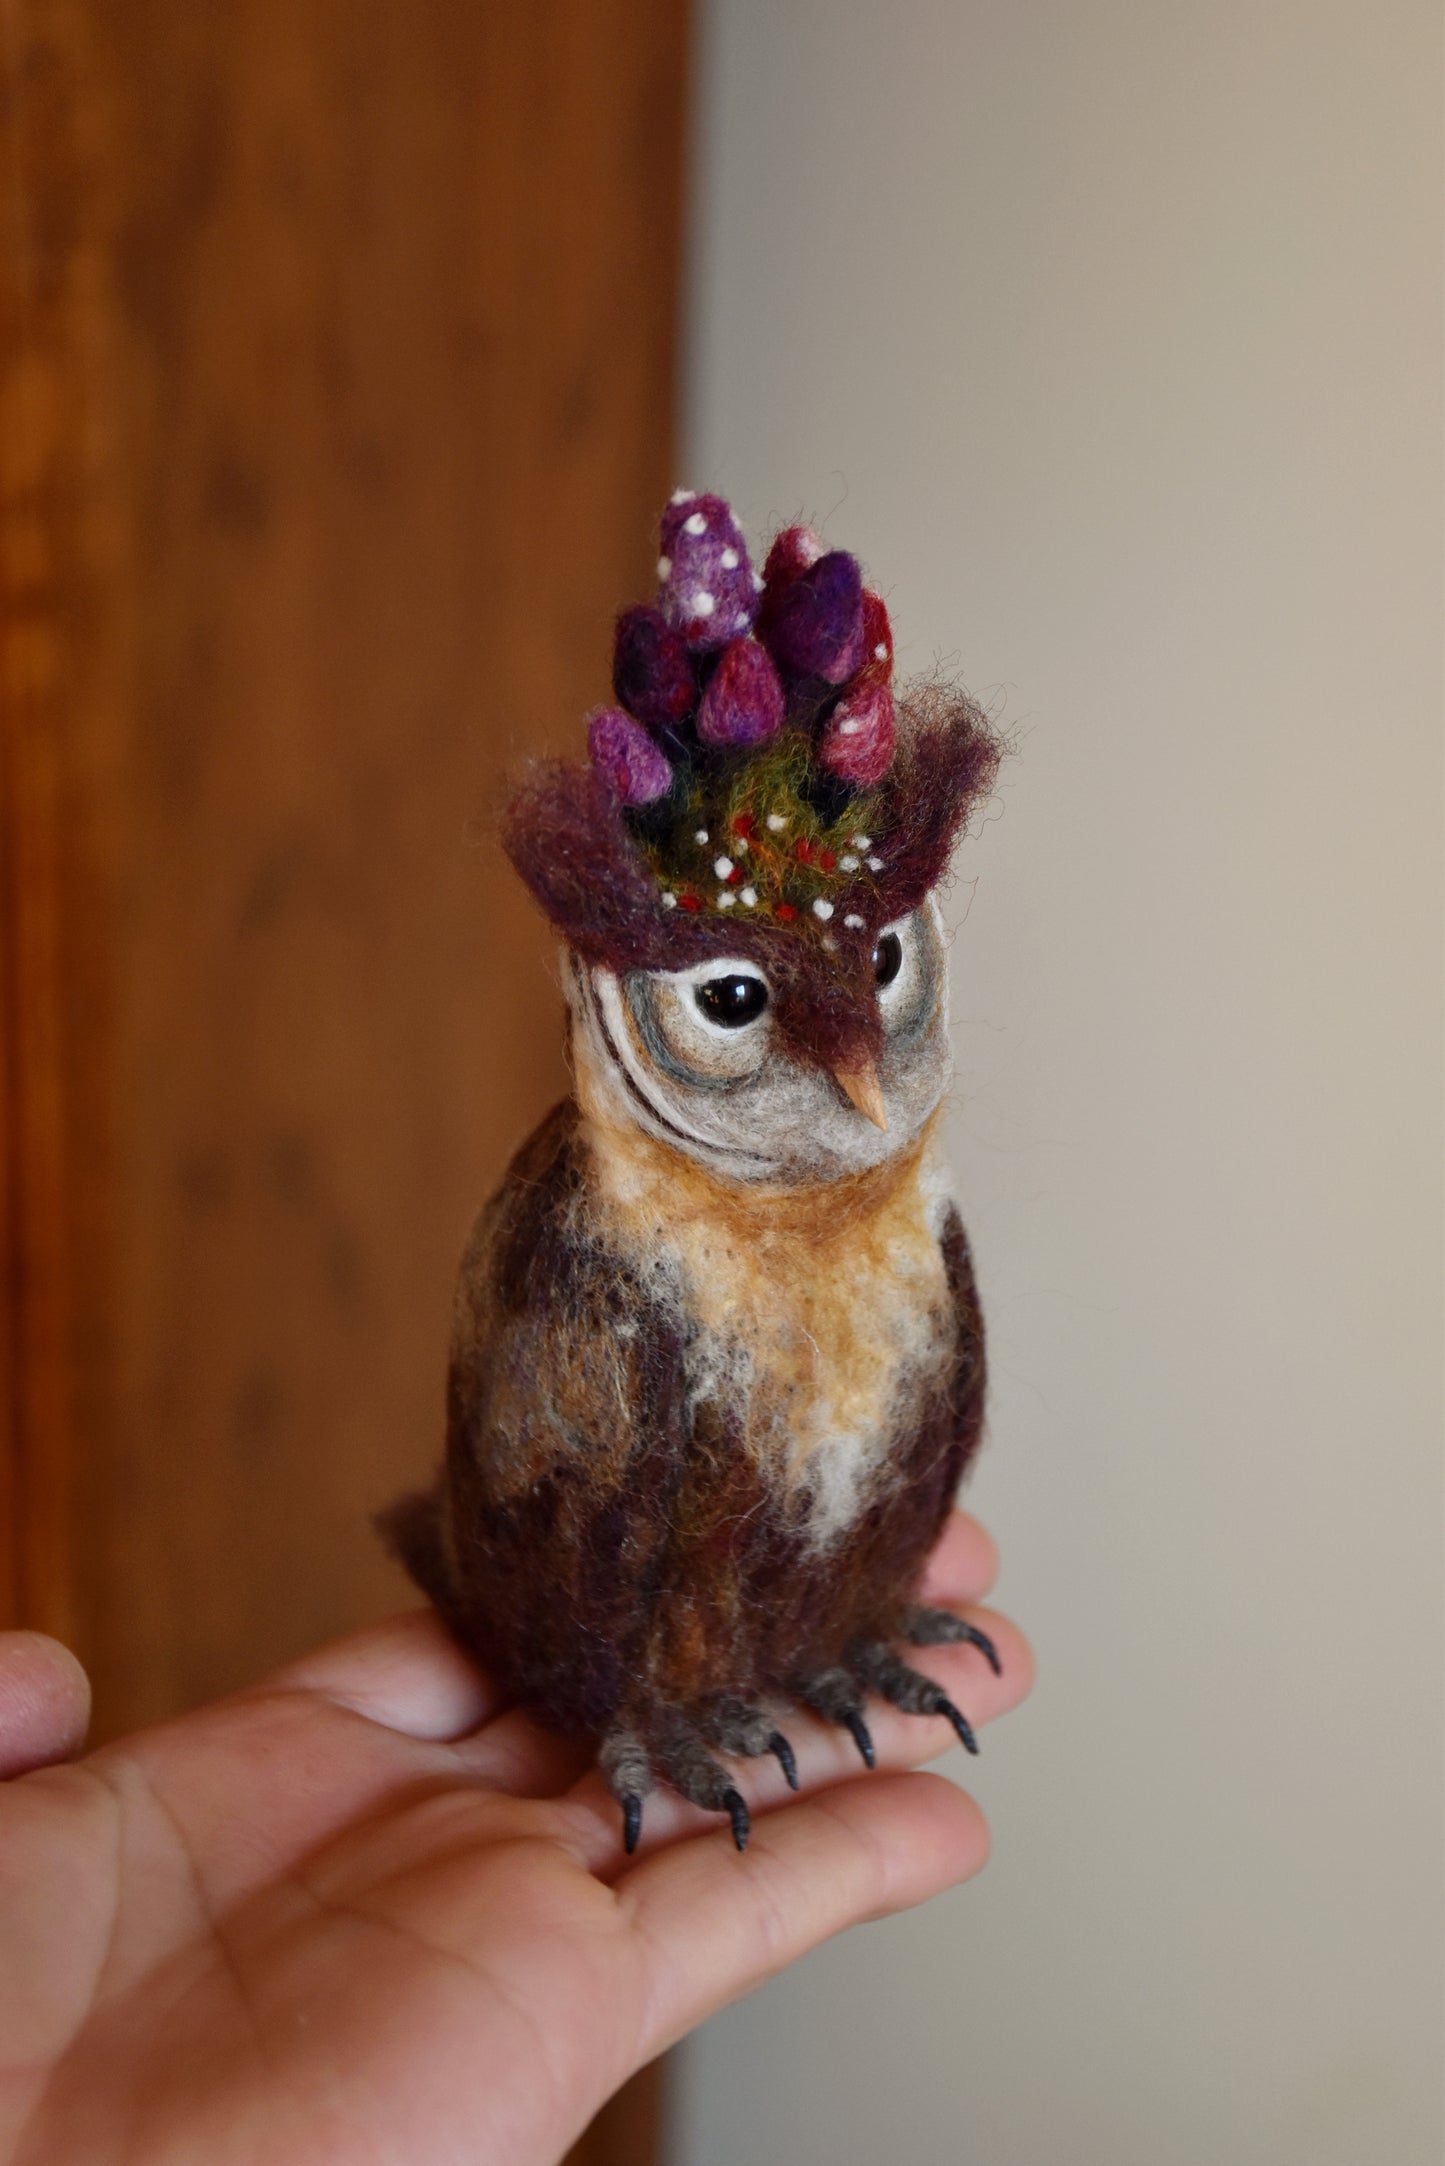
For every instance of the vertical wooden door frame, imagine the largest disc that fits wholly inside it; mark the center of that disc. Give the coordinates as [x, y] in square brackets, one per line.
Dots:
[55, 961]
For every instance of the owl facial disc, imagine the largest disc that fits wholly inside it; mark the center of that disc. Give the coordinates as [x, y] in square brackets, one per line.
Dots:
[742, 1091]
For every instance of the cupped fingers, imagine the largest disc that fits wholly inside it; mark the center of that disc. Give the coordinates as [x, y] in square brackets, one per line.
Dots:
[713, 1925]
[44, 1702]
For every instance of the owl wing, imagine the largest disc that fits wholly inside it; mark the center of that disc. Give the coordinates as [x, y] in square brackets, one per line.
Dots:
[566, 1439]
[969, 1381]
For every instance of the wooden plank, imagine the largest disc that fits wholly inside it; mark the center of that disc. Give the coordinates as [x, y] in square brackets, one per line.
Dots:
[61, 654]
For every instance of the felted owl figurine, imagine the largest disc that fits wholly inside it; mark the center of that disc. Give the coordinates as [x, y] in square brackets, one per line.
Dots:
[717, 1364]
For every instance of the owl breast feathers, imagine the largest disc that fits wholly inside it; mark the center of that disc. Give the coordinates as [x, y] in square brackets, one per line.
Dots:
[717, 1366]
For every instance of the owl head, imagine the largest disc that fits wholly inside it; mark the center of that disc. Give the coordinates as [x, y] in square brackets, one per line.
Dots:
[744, 870]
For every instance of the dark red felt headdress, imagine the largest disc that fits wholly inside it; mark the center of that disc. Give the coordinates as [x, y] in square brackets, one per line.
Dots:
[756, 780]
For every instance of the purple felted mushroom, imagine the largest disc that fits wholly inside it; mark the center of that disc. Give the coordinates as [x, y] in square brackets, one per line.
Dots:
[856, 741]
[814, 626]
[625, 756]
[877, 660]
[706, 589]
[793, 550]
[651, 673]
[743, 704]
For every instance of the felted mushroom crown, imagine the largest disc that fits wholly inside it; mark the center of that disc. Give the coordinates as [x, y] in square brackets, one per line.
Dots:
[756, 779]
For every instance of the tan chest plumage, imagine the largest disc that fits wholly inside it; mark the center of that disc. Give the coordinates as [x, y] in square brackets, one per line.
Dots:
[815, 1316]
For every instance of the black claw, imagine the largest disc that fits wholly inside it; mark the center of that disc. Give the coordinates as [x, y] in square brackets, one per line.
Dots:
[737, 1812]
[782, 1752]
[858, 1729]
[986, 1648]
[631, 1821]
[960, 1722]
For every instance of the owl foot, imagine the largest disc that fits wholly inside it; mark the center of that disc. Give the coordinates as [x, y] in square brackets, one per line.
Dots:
[623, 1759]
[736, 1726]
[675, 1743]
[940, 1628]
[690, 1768]
[875, 1664]
[835, 1695]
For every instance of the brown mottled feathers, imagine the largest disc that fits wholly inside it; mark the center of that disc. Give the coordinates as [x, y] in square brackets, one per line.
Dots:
[601, 1536]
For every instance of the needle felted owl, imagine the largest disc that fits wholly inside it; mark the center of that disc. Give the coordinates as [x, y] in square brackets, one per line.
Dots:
[717, 1364]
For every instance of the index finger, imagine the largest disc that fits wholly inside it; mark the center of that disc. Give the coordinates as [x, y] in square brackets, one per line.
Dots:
[713, 1926]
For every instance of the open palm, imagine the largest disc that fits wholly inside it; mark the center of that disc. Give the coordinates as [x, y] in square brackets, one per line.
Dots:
[367, 1912]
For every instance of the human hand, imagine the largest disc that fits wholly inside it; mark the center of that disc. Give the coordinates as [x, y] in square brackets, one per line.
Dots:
[366, 1912]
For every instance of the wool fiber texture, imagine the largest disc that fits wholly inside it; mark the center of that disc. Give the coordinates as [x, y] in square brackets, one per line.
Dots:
[717, 1359]
[629, 1519]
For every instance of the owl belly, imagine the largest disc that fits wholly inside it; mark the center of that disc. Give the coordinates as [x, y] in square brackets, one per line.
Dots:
[804, 1514]
[820, 1350]
[777, 1487]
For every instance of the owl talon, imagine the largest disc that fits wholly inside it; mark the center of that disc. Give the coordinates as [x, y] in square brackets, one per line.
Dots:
[862, 1737]
[834, 1695]
[960, 1723]
[941, 1628]
[782, 1752]
[737, 1813]
[624, 1760]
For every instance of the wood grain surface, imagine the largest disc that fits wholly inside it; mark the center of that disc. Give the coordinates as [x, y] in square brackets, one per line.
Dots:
[335, 413]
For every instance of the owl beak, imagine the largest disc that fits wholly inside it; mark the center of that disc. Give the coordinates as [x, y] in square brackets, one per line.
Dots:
[866, 1092]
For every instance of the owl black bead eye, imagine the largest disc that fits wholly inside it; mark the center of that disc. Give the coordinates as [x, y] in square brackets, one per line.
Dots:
[732, 1001]
[888, 958]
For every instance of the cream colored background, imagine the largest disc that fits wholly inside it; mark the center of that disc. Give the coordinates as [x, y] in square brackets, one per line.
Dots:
[1110, 336]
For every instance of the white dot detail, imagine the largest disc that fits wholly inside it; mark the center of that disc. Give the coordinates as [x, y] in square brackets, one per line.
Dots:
[776, 822]
[822, 909]
[853, 922]
[664, 567]
[703, 603]
[848, 863]
[875, 864]
[701, 835]
[729, 560]
[683, 496]
[850, 728]
[722, 866]
[880, 652]
[697, 524]
[748, 896]
[725, 898]
[669, 900]
[860, 842]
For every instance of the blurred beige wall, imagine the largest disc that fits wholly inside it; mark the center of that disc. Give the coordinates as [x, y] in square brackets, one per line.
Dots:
[1109, 334]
